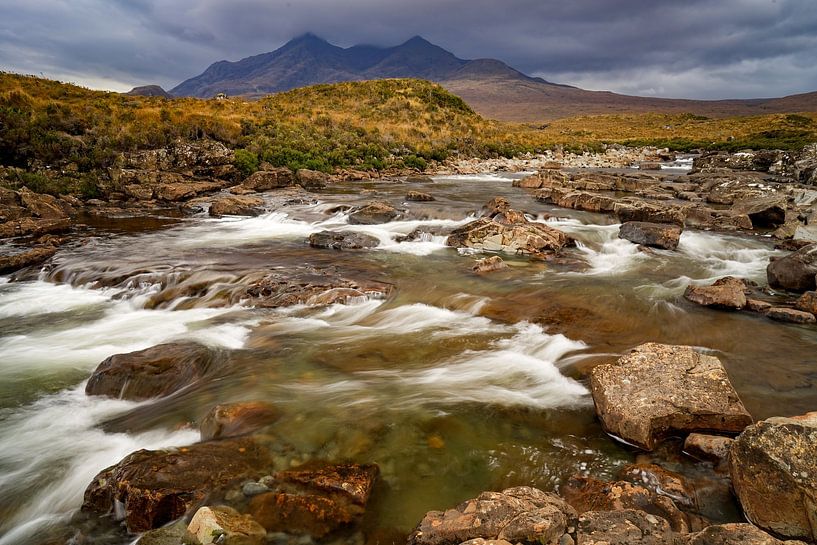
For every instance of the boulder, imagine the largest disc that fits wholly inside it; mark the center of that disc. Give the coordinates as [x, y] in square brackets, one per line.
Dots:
[342, 240]
[774, 474]
[625, 527]
[499, 210]
[734, 534]
[755, 305]
[589, 494]
[236, 419]
[726, 293]
[35, 256]
[44, 206]
[658, 390]
[793, 316]
[154, 372]
[374, 212]
[35, 227]
[648, 212]
[713, 448]
[237, 205]
[795, 271]
[226, 526]
[487, 234]
[489, 264]
[807, 302]
[656, 235]
[418, 196]
[521, 514]
[311, 179]
[148, 488]
[264, 180]
[649, 166]
[315, 500]
[765, 212]
[279, 289]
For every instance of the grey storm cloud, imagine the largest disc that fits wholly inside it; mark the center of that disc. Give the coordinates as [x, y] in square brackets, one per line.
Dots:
[691, 49]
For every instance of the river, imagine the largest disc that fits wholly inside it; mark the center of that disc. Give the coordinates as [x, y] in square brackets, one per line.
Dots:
[456, 384]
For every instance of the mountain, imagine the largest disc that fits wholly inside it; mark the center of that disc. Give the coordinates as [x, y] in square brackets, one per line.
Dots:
[490, 86]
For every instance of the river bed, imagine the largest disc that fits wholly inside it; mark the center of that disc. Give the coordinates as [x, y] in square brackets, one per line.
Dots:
[455, 384]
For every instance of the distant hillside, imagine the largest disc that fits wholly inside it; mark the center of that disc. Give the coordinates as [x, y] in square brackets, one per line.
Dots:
[149, 91]
[491, 87]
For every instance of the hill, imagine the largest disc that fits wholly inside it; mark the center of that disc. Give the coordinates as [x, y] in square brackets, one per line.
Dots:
[148, 91]
[491, 87]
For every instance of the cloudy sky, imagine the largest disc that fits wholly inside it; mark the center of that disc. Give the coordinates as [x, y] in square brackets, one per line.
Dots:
[668, 48]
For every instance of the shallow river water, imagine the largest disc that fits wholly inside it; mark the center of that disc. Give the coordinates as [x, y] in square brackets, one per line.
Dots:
[456, 384]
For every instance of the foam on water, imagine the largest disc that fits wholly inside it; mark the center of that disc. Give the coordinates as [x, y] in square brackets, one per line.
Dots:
[724, 255]
[491, 177]
[604, 251]
[18, 299]
[57, 450]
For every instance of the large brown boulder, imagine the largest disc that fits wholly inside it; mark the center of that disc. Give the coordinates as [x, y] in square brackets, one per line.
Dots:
[487, 234]
[35, 256]
[774, 473]
[311, 179]
[790, 315]
[766, 212]
[521, 514]
[31, 226]
[649, 212]
[795, 271]
[154, 372]
[342, 240]
[658, 390]
[280, 290]
[315, 500]
[156, 487]
[656, 235]
[807, 302]
[274, 178]
[373, 213]
[734, 534]
[44, 206]
[237, 205]
[726, 293]
[589, 494]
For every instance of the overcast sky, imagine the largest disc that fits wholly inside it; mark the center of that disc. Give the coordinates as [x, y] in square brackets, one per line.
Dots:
[668, 48]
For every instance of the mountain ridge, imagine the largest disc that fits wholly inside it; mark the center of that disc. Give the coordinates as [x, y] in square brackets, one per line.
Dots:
[492, 87]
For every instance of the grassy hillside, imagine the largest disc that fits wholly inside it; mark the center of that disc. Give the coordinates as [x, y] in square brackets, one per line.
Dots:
[48, 127]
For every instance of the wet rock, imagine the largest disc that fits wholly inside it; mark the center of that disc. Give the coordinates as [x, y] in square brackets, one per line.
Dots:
[154, 372]
[656, 235]
[173, 534]
[766, 212]
[487, 234]
[226, 526]
[734, 534]
[795, 271]
[279, 289]
[185, 190]
[336, 296]
[790, 315]
[499, 210]
[576, 200]
[625, 527]
[589, 494]
[713, 448]
[774, 474]
[237, 205]
[35, 227]
[756, 305]
[419, 180]
[236, 419]
[375, 212]
[315, 501]
[35, 256]
[418, 196]
[648, 212]
[807, 302]
[44, 206]
[311, 179]
[342, 240]
[662, 482]
[489, 264]
[156, 487]
[521, 514]
[649, 166]
[264, 180]
[726, 293]
[658, 390]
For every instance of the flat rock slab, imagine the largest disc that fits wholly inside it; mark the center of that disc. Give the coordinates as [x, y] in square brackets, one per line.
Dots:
[237, 205]
[154, 372]
[774, 472]
[727, 293]
[658, 390]
[655, 235]
[156, 487]
[521, 514]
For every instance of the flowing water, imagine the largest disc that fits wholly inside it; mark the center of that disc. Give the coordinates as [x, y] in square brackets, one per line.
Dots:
[456, 384]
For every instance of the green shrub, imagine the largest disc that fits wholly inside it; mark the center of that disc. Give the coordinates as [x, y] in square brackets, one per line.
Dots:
[412, 161]
[245, 161]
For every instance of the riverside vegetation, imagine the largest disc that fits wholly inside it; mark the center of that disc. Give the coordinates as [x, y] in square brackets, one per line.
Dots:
[66, 138]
